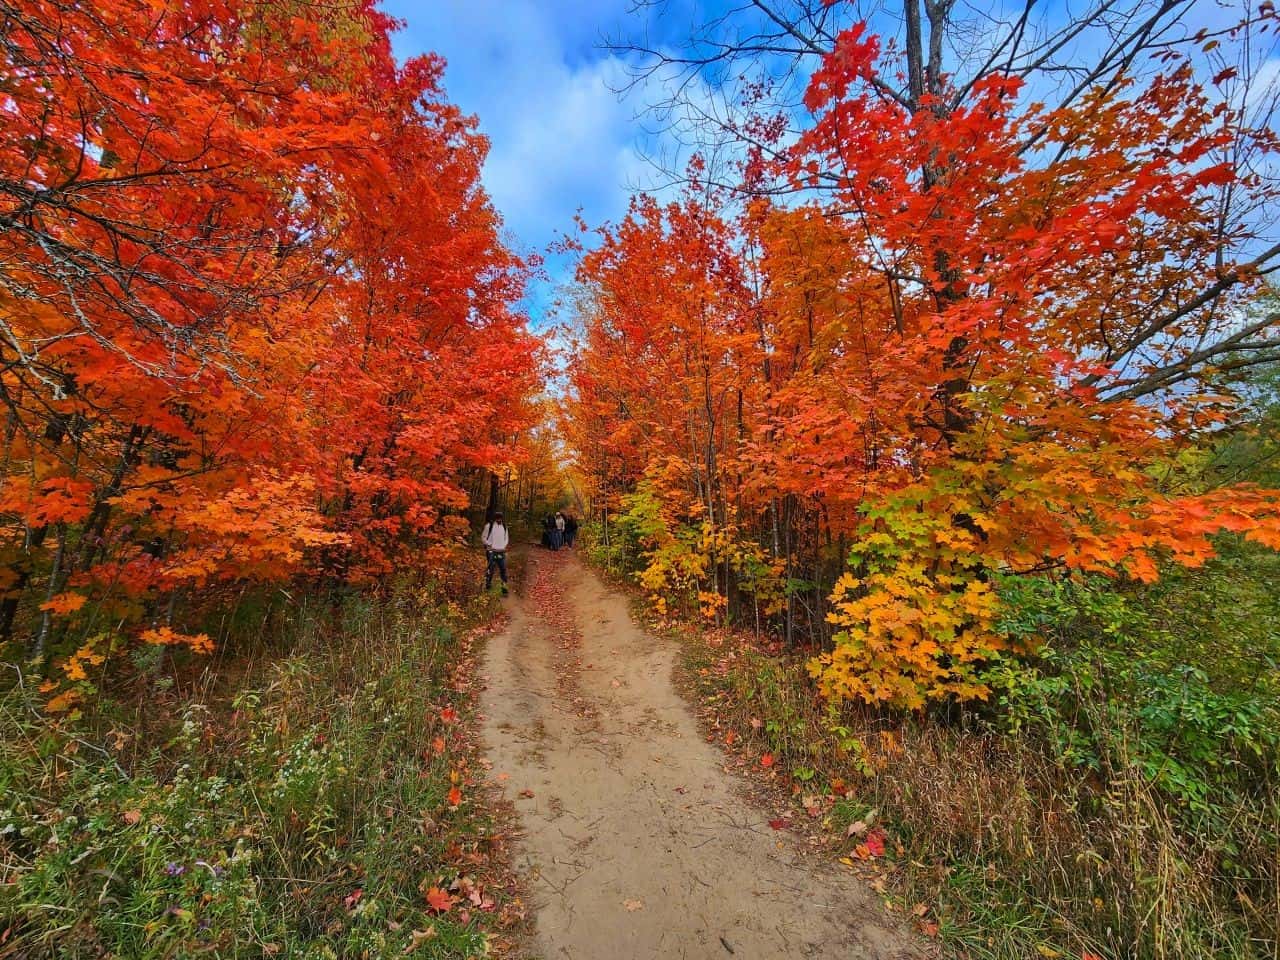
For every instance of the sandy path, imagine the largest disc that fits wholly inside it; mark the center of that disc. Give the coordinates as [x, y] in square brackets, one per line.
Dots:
[636, 843]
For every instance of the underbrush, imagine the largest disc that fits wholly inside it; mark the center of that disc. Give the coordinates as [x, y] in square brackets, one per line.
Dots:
[1118, 797]
[319, 806]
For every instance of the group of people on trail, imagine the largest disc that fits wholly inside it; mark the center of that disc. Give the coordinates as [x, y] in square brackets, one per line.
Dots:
[559, 530]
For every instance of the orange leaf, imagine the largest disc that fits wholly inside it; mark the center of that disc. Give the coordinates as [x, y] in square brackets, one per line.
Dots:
[440, 901]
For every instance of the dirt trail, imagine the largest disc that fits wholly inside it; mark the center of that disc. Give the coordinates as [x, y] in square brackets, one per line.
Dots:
[636, 843]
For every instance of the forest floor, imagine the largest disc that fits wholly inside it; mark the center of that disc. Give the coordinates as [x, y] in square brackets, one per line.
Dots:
[636, 840]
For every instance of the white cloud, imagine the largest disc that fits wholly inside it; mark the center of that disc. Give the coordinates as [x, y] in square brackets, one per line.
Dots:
[544, 92]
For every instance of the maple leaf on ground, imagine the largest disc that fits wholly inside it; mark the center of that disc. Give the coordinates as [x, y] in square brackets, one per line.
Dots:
[766, 760]
[455, 797]
[875, 843]
[440, 900]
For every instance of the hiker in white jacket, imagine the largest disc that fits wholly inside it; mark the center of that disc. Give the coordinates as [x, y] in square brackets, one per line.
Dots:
[495, 539]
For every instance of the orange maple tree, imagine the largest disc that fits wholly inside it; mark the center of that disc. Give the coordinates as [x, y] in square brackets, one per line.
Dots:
[255, 318]
[969, 346]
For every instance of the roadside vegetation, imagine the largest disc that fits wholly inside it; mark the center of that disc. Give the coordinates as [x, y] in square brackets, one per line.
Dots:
[314, 793]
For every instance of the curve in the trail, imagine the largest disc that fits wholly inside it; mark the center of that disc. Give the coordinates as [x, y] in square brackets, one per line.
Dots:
[636, 843]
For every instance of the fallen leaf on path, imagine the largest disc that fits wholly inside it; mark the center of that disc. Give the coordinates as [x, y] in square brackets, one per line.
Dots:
[778, 824]
[633, 905]
[766, 760]
[455, 796]
[449, 715]
[132, 816]
[856, 829]
[527, 793]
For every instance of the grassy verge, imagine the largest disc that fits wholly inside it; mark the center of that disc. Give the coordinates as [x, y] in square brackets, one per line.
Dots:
[327, 804]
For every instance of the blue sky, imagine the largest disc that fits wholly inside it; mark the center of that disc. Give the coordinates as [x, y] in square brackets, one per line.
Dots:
[538, 76]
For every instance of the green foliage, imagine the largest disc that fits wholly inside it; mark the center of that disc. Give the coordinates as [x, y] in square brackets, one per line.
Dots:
[1126, 684]
[307, 821]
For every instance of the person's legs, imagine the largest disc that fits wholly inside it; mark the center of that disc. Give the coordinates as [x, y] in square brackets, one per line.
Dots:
[491, 562]
[501, 561]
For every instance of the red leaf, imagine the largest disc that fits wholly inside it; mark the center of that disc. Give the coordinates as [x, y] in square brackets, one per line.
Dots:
[766, 761]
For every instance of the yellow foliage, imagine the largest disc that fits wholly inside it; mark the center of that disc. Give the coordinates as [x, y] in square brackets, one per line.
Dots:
[86, 655]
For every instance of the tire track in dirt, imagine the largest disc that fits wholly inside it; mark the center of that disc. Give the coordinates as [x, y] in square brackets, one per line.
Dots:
[636, 844]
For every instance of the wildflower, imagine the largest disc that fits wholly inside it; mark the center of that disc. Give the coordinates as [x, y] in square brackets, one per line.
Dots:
[175, 869]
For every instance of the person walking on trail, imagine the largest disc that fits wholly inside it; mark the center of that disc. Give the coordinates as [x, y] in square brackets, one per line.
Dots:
[557, 535]
[495, 539]
[570, 529]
